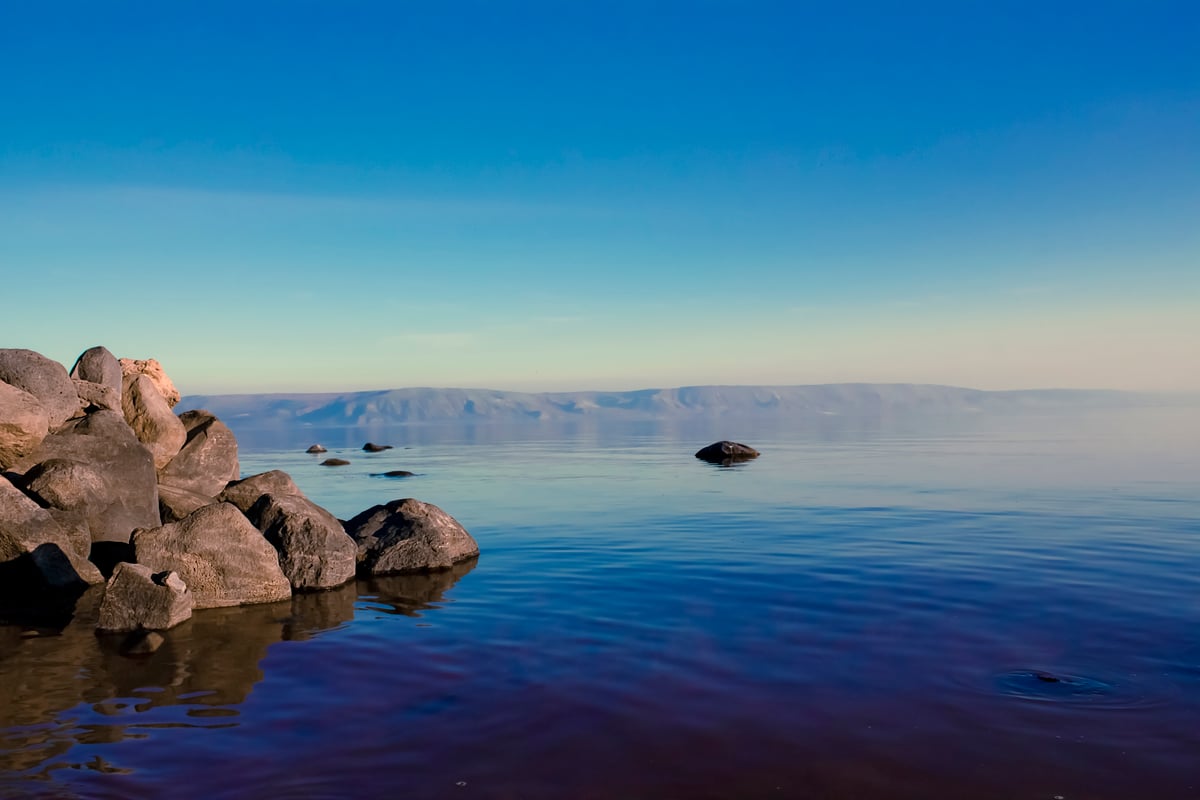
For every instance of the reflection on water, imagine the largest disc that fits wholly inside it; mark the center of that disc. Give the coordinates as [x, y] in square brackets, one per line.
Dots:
[69, 687]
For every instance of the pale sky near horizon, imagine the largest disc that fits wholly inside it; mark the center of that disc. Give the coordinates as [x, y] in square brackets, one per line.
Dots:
[301, 196]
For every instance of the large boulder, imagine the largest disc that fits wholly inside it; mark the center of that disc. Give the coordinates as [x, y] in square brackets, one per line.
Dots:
[726, 452]
[98, 467]
[44, 379]
[409, 536]
[314, 550]
[97, 396]
[208, 459]
[245, 493]
[175, 504]
[23, 424]
[36, 555]
[151, 419]
[137, 598]
[223, 559]
[97, 365]
[154, 371]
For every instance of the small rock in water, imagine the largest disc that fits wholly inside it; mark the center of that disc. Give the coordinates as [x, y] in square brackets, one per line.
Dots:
[394, 473]
[371, 447]
[1046, 677]
[334, 462]
[316, 448]
[726, 452]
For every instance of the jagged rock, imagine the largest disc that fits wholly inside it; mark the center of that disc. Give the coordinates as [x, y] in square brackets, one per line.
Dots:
[245, 493]
[726, 452]
[23, 424]
[114, 484]
[371, 447]
[97, 365]
[314, 550]
[96, 396]
[208, 459]
[154, 371]
[316, 448]
[334, 462]
[36, 555]
[175, 504]
[151, 419]
[219, 554]
[44, 379]
[137, 598]
[409, 536]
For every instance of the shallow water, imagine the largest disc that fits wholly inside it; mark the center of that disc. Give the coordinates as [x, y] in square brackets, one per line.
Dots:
[992, 608]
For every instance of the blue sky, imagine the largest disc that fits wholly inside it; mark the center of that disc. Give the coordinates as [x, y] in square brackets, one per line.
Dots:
[568, 195]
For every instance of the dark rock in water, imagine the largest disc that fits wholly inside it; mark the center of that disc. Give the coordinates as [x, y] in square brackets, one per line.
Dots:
[221, 557]
[726, 452]
[139, 599]
[334, 462]
[245, 493]
[314, 550]
[409, 536]
[98, 365]
[208, 460]
[316, 448]
[393, 473]
[44, 379]
[98, 467]
[371, 447]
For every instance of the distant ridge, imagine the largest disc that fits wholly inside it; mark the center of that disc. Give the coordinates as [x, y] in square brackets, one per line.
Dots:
[425, 405]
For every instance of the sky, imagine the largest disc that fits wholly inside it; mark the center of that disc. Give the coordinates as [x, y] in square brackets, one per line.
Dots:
[555, 196]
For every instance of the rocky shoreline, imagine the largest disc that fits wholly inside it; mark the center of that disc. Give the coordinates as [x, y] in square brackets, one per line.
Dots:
[102, 483]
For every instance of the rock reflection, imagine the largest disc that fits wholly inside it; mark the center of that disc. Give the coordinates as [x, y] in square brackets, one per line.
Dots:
[411, 594]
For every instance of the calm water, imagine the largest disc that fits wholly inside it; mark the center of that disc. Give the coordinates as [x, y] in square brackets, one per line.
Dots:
[998, 608]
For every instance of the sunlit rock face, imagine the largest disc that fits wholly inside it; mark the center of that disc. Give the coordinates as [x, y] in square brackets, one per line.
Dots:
[409, 536]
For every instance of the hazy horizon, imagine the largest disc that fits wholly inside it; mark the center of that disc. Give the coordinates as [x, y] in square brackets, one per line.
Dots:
[572, 197]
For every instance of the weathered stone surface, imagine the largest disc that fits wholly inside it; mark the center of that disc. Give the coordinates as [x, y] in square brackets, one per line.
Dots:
[154, 371]
[44, 379]
[36, 554]
[223, 559]
[151, 419]
[114, 485]
[314, 550]
[23, 424]
[137, 598]
[334, 462]
[409, 536]
[97, 365]
[371, 447]
[315, 448]
[208, 459]
[75, 525]
[245, 493]
[175, 504]
[726, 452]
[96, 396]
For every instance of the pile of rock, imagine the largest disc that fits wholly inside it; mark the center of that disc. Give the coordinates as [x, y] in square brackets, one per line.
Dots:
[101, 477]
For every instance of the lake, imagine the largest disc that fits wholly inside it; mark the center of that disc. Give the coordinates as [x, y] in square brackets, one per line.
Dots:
[985, 607]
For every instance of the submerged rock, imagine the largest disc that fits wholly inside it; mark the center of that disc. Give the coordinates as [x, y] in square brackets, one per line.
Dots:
[409, 536]
[334, 462]
[315, 448]
[726, 452]
[137, 598]
[371, 447]
[393, 473]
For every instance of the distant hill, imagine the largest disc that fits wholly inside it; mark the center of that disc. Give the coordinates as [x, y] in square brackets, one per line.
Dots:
[485, 405]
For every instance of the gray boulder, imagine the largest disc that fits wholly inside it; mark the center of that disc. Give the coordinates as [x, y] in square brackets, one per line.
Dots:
[137, 598]
[36, 554]
[175, 504]
[44, 379]
[245, 493]
[726, 452]
[23, 424]
[223, 559]
[314, 550]
[97, 365]
[151, 419]
[208, 459]
[409, 536]
[97, 396]
[113, 483]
